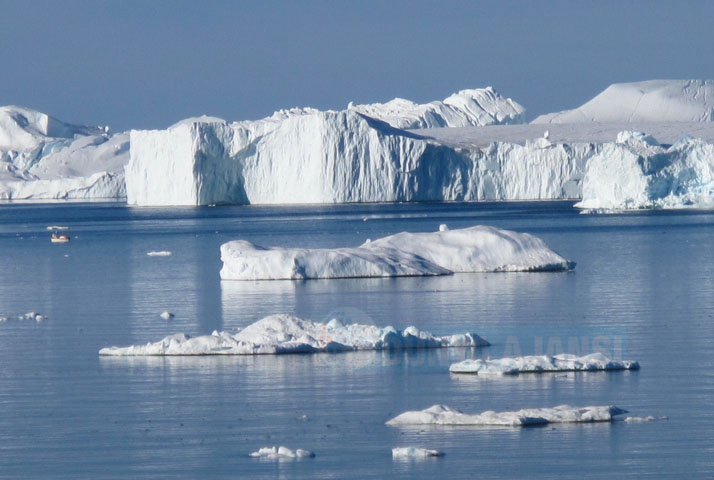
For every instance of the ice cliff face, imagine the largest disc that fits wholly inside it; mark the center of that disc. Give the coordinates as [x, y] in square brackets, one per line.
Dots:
[649, 101]
[636, 172]
[308, 156]
[467, 108]
[44, 158]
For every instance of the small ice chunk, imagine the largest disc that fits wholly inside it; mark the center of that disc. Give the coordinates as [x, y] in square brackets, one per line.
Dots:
[57, 227]
[166, 315]
[37, 317]
[443, 227]
[415, 453]
[276, 453]
[646, 419]
[160, 253]
[443, 415]
[542, 363]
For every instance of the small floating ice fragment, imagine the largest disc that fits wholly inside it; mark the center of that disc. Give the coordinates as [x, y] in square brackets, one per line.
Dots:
[57, 227]
[160, 253]
[443, 415]
[279, 334]
[443, 227]
[414, 453]
[276, 453]
[37, 317]
[647, 419]
[542, 363]
[166, 315]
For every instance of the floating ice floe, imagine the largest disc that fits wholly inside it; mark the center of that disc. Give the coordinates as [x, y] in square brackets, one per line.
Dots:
[160, 253]
[475, 249]
[57, 227]
[647, 419]
[542, 363]
[166, 315]
[443, 415]
[415, 453]
[277, 453]
[279, 334]
[33, 316]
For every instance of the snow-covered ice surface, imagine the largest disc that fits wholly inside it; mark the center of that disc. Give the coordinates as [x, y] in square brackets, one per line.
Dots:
[475, 249]
[278, 453]
[280, 334]
[416, 453]
[648, 101]
[637, 172]
[443, 415]
[474, 107]
[542, 363]
[44, 158]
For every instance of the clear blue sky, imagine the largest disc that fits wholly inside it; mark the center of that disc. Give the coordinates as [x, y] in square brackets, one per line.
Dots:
[147, 64]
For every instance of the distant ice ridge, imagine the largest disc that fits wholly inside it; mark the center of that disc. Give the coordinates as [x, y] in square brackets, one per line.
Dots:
[467, 108]
[475, 249]
[280, 334]
[44, 158]
[542, 363]
[278, 453]
[637, 172]
[648, 101]
[443, 415]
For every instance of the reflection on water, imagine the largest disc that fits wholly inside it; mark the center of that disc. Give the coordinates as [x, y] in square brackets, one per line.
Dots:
[644, 283]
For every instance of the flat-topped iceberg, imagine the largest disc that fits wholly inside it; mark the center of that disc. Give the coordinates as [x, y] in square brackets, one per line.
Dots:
[281, 334]
[280, 453]
[443, 415]
[542, 363]
[475, 249]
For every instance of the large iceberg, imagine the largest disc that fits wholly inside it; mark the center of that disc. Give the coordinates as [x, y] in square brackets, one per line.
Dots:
[44, 158]
[475, 249]
[279, 334]
[443, 415]
[542, 363]
[354, 155]
[648, 101]
[637, 172]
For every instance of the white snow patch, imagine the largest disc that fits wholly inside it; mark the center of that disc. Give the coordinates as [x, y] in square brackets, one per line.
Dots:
[159, 253]
[542, 363]
[166, 315]
[443, 415]
[280, 334]
[475, 249]
[415, 453]
[277, 453]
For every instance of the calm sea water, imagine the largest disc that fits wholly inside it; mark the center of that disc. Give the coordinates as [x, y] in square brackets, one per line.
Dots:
[643, 289]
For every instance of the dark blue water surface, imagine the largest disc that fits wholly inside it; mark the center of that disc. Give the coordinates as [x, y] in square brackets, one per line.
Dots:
[643, 289]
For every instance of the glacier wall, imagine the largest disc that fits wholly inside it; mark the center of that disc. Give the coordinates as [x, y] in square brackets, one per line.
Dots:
[637, 172]
[338, 157]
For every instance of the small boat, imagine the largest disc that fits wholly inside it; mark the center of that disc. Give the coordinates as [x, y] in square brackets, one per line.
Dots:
[59, 238]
